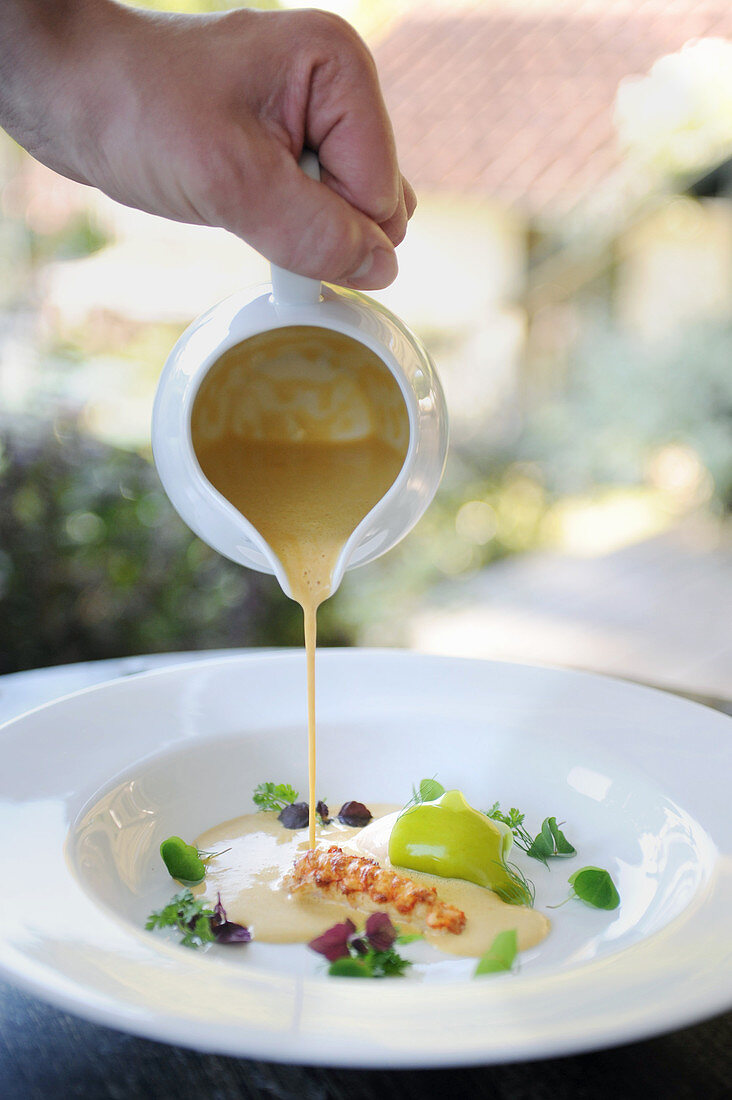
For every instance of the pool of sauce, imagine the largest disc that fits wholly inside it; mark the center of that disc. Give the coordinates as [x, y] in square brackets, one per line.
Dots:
[249, 878]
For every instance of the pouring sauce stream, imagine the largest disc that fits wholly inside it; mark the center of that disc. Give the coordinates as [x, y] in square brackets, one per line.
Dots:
[303, 430]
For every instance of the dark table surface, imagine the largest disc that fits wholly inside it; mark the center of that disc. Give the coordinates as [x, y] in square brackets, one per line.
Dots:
[47, 1053]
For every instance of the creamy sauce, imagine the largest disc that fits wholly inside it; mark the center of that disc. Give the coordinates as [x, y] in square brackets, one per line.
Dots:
[303, 430]
[249, 877]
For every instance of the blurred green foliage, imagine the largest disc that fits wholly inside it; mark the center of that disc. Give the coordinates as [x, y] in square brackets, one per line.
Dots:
[623, 399]
[95, 563]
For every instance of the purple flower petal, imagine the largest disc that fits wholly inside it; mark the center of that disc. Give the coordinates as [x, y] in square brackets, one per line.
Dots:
[322, 811]
[229, 932]
[334, 943]
[354, 813]
[380, 932]
[295, 816]
[219, 916]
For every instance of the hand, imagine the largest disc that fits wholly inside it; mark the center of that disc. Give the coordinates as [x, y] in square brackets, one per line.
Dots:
[202, 119]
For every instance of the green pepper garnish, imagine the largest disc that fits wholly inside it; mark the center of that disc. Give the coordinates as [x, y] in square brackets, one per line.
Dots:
[182, 860]
[449, 838]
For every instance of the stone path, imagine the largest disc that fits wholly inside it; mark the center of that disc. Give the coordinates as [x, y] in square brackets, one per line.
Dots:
[658, 611]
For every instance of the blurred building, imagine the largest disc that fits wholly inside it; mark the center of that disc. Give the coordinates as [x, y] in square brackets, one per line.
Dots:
[507, 123]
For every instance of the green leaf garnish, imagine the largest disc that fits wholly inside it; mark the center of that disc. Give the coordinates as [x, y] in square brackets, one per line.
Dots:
[191, 917]
[408, 937]
[542, 846]
[500, 955]
[562, 847]
[549, 843]
[274, 796]
[594, 887]
[182, 860]
[351, 968]
[428, 791]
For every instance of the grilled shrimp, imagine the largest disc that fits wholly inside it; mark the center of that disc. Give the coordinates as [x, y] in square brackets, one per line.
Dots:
[365, 885]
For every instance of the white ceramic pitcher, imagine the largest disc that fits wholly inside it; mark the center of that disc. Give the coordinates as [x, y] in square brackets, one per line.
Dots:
[295, 300]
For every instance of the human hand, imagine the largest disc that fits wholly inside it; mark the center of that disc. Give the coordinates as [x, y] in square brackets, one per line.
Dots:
[202, 119]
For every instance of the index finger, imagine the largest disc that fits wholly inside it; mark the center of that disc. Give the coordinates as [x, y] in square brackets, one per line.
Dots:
[347, 122]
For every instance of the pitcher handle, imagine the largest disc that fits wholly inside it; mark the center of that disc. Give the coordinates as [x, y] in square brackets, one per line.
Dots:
[289, 289]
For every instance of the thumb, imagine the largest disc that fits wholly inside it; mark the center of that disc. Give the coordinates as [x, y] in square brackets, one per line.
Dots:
[305, 227]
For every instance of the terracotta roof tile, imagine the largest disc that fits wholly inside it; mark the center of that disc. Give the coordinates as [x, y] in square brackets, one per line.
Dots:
[518, 104]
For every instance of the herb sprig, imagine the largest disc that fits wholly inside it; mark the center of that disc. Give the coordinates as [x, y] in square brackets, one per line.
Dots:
[594, 886]
[274, 796]
[196, 922]
[549, 843]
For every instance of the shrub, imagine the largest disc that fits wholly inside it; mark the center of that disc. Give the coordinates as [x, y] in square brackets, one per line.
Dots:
[95, 563]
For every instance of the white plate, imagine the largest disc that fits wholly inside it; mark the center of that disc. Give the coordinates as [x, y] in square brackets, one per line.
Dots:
[91, 784]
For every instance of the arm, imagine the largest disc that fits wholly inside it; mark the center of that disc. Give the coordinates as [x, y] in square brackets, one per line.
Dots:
[202, 119]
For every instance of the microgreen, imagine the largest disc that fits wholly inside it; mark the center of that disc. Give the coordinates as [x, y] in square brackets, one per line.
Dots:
[184, 861]
[196, 923]
[274, 796]
[428, 791]
[594, 887]
[515, 822]
[500, 955]
[367, 954]
[189, 915]
[549, 843]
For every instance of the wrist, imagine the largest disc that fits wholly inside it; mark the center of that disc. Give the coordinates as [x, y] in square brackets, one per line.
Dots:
[49, 54]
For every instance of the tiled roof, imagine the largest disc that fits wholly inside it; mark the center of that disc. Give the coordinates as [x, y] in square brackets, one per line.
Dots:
[517, 104]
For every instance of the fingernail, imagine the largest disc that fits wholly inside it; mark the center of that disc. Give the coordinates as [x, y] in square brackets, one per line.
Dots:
[377, 271]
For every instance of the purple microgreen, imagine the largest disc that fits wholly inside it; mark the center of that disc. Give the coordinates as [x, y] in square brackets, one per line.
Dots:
[225, 930]
[295, 816]
[354, 814]
[322, 811]
[380, 932]
[334, 943]
[230, 932]
[367, 954]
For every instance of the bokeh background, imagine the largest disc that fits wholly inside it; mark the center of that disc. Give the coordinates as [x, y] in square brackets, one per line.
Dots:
[570, 269]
